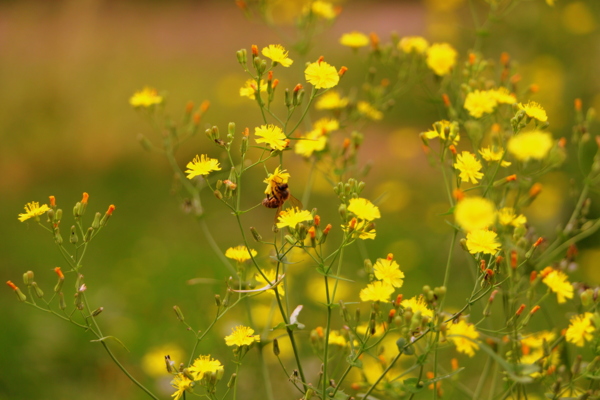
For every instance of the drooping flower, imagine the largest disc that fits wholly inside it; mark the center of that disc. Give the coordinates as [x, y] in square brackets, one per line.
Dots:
[530, 145]
[183, 384]
[580, 329]
[279, 177]
[240, 253]
[534, 110]
[559, 283]
[480, 102]
[272, 135]
[469, 167]
[354, 39]
[331, 100]
[250, 87]
[507, 216]
[490, 155]
[201, 166]
[292, 217]
[321, 75]
[482, 241]
[278, 54]
[377, 291]
[369, 111]
[146, 98]
[388, 271]
[32, 210]
[443, 127]
[364, 209]
[204, 365]
[457, 330]
[314, 140]
[473, 213]
[416, 44]
[441, 57]
[418, 303]
[241, 336]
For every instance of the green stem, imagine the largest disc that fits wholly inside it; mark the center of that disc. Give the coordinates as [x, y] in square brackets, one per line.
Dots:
[382, 375]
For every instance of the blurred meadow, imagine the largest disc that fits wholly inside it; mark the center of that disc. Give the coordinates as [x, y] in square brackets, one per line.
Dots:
[67, 71]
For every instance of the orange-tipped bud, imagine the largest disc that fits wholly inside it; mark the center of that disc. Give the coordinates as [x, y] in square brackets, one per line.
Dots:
[493, 296]
[513, 259]
[270, 76]
[385, 82]
[319, 330]
[275, 83]
[520, 310]
[59, 273]
[11, 285]
[578, 105]
[111, 209]
[392, 314]
[482, 265]
[246, 132]
[254, 50]
[312, 232]
[189, 107]
[374, 40]
[398, 300]
[425, 149]
[297, 87]
[535, 189]
[320, 60]
[52, 201]
[327, 229]
[346, 143]
[534, 310]
[446, 100]
[204, 106]
[196, 118]
[452, 149]
[85, 198]
[562, 142]
[390, 257]
[516, 78]
[355, 386]
[317, 220]
[353, 223]
[499, 260]
[546, 271]
[496, 128]
[472, 59]
[342, 71]
[229, 185]
[241, 4]
[458, 194]
[511, 178]
[532, 276]
[534, 88]
[504, 59]
[489, 272]
[538, 242]
[551, 369]
[454, 363]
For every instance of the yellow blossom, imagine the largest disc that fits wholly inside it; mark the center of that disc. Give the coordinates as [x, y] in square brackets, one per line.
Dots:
[183, 384]
[362, 229]
[204, 365]
[507, 216]
[441, 57]
[292, 217]
[336, 339]
[322, 9]
[331, 100]
[279, 177]
[415, 44]
[241, 336]
[457, 330]
[153, 362]
[240, 253]
[480, 102]
[530, 145]
[363, 209]
[250, 87]
[482, 241]
[580, 329]
[354, 39]
[490, 155]
[534, 110]
[201, 166]
[536, 340]
[473, 213]
[315, 140]
[32, 210]
[559, 283]
[146, 97]
[503, 96]
[278, 54]
[272, 278]
[377, 291]
[369, 111]
[327, 124]
[469, 167]
[440, 128]
[272, 135]
[418, 303]
[388, 271]
[321, 75]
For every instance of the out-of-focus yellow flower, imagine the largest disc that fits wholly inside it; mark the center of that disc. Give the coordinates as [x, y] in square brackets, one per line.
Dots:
[490, 155]
[336, 339]
[32, 210]
[250, 87]
[362, 229]
[377, 291]
[322, 9]
[201, 165]
[440, 128]
[241, 336]
[559, 283]
[388, 271]
[457, 330]
[279, 177]
[469, 167]
[441, 58]
[418, 303]
[146, 98]
[153, 362]
[327, 124]
[315, 140]
[272, 278]
[272, 135]
[369, 111]
[530, 145]
[482, 241]
[321, 75]
[278, 54]
[363, 209]
[204, 365]
[416, 44]
[578, 18]
[503, 96]
[580, 329]
[474, 213]
[507, 216]
[480, 102]
[534, 110]
[292, 217]
[182, 383]
[354, 39]
[331, 100]
[240, 253]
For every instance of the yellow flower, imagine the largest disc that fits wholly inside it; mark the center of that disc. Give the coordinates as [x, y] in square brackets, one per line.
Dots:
[480, 102]
[536, 340]
[279, 177]
[323, 9]
[182, 383]
[315, 140]
[146, 97]
[153, 362]
[469, 167]
[272, 278]
[377, 291]
[490, 155]
[369, 111]
[503, 96]
[418, 303]
[388, 271]
[278, 54]
[271, 135]
[463, 345]
[241, 336]
[321, 75]
[473, 213]
[534, 110]
[440, 128]
[240, 253]
[415, 44]
[507, 216]
[441, 57]
[331, 100]
[33, 209]
[250, 87]
[336, 339]
[292, 217]
[363, 230]
[363, 209]
[559, 283]
[354, 39]
[532, 144]
[203, 365]
[482, 241]
[327, 124]
[201, 166]
[580, 329]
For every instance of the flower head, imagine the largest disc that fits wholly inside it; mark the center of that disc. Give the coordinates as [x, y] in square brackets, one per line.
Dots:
[388, 271]
[354, 39]
[322, 9]
[314, 140]
[331, 100]
[272, 135]
[377, 291]
[480, 102]
[369, 111]
[32, 210]
[146, 98]
[278, 54]
[507, 216]
[183, 384]
[482, 241]
[580, 329]
[204, 365]
[241, 336]
[558, 282]
[474, 213]
[240, 253]
[279, 177]
[441, 57]
[417, 303]
[364, 209]
[250, 87]
[336, 339]
[443, 127]
[272, 277]
[491, 155]
[503, 96]
[534, 110]
[416, 44]
[321, 75]
[201, 166]
[362, 229]
[457, 330]
[327, 125]
[469, 167]
[292, 217]
[532, 144]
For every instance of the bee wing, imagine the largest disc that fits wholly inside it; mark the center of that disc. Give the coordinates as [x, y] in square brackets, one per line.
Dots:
[295, 202]
[277, 214]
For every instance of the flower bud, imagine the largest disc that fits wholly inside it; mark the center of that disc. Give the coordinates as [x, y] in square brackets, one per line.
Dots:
[97, 311]
[88, 234]
[255, 234]
[77, 210]
[242, 56]
[74, 238]
[178, 313]
[96, 222]
[287, 98]
[169, 364]
[276, 349]
[233, 379]
[61, 301]
[38, 292]
[107, 215]
[586, 297]
[28, 278]
[58, 216]
[218, 300]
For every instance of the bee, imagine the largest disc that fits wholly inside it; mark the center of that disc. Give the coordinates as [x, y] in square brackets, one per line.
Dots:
[280, 194]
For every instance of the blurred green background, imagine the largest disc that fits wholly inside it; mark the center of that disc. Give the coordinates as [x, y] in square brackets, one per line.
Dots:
[67, 71]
